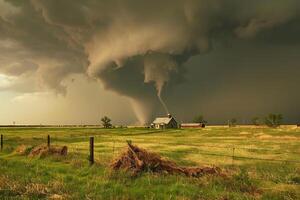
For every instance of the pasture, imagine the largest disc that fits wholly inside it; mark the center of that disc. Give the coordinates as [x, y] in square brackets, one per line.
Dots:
[260, 163]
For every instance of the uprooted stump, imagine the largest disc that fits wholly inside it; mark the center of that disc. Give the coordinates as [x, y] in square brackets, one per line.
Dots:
[43, 150]
[137, 160]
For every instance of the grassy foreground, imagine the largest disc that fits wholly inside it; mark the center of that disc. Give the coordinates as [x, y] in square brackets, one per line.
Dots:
[232, 149]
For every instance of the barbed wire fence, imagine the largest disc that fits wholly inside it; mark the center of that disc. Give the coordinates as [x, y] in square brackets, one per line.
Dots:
[231, 149]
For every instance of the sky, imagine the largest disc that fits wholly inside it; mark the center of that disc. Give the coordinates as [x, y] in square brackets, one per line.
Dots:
[75, 61]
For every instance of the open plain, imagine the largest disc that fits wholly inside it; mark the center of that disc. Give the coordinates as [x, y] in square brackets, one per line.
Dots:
[259, 163]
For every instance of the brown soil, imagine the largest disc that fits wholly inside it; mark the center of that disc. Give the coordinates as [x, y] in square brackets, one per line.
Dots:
[137, 160]
[44, 150]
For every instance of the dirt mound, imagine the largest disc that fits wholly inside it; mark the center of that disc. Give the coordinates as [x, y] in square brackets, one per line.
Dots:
[137, 160]
[44, 150]
[23, 149]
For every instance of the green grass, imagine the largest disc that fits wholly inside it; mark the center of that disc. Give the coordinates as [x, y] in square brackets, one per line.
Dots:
[265, 176]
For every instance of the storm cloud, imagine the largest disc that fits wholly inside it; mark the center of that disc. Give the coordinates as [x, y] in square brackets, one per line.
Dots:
[145, 50]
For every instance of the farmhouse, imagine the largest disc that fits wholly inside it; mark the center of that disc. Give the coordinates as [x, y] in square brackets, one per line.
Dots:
[164, 122]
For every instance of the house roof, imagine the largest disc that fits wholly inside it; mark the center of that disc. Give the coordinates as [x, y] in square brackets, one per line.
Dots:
[162, 120]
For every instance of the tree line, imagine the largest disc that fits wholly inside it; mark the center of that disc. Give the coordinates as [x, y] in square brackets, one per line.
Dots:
[271, 120]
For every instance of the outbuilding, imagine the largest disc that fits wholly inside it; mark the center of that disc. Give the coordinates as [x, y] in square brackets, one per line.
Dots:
[192, 125]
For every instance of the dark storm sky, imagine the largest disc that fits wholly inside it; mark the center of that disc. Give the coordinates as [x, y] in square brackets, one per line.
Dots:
[219, 58]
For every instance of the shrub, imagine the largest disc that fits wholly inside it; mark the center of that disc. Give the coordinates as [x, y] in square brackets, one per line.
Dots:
[273, 120]
[232, 122]
[255, 121]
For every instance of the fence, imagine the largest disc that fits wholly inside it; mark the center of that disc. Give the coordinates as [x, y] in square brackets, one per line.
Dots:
[232, 149]
[233, 156]
[91, 147]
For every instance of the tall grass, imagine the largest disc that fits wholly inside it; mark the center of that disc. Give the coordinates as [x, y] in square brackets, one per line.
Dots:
[73, 178]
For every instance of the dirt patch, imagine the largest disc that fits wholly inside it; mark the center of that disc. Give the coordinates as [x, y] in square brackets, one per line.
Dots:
[137, 160]
[43, 150]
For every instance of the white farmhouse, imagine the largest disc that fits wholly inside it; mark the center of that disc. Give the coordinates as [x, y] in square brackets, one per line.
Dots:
[164, 122]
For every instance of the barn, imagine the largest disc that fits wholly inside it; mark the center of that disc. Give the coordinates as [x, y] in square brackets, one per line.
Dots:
[192, 125]
[164, 122]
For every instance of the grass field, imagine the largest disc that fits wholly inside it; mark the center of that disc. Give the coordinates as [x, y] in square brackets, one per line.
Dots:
[266, 164]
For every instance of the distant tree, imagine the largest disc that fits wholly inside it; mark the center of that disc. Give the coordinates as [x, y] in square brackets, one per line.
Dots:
[199, 119]
[106, 122]
[255, 121]
[273, 120]
[232, 122]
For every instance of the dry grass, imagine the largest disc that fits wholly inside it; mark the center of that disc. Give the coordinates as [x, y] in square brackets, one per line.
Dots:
[23, 149]
[263, 136]
[21, 189]
[71, 176]
[137, 160]
[43, 150]
[39, 190]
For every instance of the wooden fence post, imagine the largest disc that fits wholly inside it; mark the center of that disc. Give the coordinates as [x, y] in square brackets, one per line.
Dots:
[233, 149]
[48, 141]
[1, 142]
[91, 150]
[113, 148]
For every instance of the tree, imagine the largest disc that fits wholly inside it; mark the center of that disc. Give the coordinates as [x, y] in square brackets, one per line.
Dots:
[255, 121]
[273, 120]
[232, 122]
[199, 119]
[106, 122]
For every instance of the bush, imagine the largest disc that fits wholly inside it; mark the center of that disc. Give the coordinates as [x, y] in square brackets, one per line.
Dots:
[255, 121]
[273, 120]
[232, 122]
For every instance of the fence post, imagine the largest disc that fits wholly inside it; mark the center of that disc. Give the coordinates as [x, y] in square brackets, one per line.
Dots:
[1, 142]
[114, 149]
[233, 149]
[91, 150]
[48, 141]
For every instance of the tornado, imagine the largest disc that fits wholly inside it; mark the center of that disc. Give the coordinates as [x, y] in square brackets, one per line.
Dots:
[134, 48]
